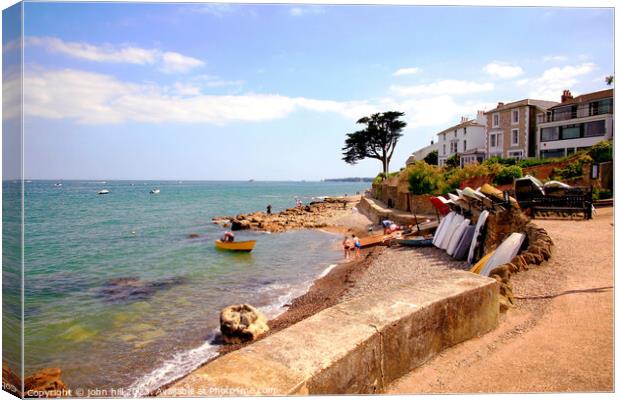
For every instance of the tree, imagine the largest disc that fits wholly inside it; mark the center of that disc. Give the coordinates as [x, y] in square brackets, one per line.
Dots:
[377, 140]
[609, 80]
[432, 158]
[454, 161]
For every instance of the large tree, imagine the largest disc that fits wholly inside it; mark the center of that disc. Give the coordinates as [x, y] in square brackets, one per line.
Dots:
[377, 140]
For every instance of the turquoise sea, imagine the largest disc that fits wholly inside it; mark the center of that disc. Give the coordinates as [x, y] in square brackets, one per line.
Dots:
[119, 297]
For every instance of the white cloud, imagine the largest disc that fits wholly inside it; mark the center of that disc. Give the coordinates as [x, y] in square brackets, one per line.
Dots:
[93, 98]
[503, 70]
[168, 61]
[406, 71]
[553, 81]
[555, 58]
[175, 62]
[304, 10]
[448, 86]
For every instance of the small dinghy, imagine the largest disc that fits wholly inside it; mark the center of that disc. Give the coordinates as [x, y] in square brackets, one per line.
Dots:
[154, 191]
[104, 191]
[416, 241]
[246, 246]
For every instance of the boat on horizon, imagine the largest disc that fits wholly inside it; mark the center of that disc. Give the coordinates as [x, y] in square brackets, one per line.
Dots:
[104, 191]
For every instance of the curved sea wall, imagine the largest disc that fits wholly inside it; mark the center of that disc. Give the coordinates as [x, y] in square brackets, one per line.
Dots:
[358, 346]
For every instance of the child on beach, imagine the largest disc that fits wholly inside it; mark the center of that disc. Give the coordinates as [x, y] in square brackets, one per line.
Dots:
[358, 246]
[346, 244]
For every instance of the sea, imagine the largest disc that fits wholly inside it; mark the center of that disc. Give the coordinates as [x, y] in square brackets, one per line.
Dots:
[121, 298]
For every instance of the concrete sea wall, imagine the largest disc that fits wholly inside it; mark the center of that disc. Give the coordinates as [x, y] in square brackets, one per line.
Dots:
[358, 346]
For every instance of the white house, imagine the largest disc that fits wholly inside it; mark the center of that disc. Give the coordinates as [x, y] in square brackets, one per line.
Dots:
[467, 139]
[422, 153]
[576, 123]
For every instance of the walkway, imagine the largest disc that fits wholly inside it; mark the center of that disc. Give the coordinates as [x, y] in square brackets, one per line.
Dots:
[558, 338]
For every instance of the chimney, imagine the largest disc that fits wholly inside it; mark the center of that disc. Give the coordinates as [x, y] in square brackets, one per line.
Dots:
[500, 104]
[463, 119]
[480, 113]
[566, 96]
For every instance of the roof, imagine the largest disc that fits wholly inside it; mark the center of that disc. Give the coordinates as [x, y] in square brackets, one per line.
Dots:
[469, 122]
[588, 97]
[543, 104]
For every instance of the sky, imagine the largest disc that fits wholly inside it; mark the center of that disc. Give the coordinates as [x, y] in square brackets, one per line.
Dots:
[268, 92]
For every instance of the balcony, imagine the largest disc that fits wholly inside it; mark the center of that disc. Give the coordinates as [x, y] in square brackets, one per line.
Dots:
[580, 111]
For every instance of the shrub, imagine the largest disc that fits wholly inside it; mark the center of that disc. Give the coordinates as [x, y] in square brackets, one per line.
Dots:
[499, 160]
[453, 161]
[572, 170]
[454, 178]
[506, 175]
[432, 158]
[423, 178]
[602, 151]
[602, 194]
[532, 162]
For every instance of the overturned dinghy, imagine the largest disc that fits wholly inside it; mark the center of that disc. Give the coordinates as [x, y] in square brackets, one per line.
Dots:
[504, 253]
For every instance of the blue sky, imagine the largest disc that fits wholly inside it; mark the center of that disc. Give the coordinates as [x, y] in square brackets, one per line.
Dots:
[195, 91]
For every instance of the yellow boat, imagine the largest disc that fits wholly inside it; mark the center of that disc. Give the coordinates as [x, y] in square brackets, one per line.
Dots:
[247, 245]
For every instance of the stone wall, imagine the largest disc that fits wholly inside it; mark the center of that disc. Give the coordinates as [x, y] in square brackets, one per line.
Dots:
[402, 200]
[538, 251]
[355, 347]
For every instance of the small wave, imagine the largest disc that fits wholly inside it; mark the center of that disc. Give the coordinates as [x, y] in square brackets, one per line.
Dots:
[180, 365]
[327, 270]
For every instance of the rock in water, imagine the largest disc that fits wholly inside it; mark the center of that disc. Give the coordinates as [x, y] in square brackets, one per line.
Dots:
[241, 323]
[45, 383]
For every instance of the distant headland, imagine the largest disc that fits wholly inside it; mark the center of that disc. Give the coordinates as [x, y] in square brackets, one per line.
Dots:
[356, 179]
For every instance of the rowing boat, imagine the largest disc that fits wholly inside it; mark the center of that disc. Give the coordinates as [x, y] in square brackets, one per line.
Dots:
[417, 241]
[247, 245]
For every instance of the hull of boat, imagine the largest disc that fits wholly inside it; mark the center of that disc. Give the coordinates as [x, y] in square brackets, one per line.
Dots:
[417, 242]
[247, 245]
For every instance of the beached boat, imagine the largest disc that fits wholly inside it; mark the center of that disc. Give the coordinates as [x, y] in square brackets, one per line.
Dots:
[104, 191]
[375, 240]
[416, 241]
[247, 245]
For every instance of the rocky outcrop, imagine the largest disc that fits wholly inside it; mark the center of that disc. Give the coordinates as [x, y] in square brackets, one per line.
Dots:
[44, 383]
[313, 215]
[242, 323]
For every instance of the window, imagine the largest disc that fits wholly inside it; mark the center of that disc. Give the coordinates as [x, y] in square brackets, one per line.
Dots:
[547, 134]
[514, 137]
[556, 153]
[595, 128]
[464, 145]
[570, 150]
[455, 133]
[464, 131]
[495, 120]
[496, 139]
[571, 132]
[454, 146]
[515, 116]
[444, 149]
[516, 154]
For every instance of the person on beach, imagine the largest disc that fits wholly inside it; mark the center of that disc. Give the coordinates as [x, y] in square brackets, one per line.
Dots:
[386, 226]
[358, 246]
[269, 209]
[346, 245]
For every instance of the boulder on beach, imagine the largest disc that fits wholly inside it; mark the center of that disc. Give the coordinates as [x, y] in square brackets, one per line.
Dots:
[242, 323]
